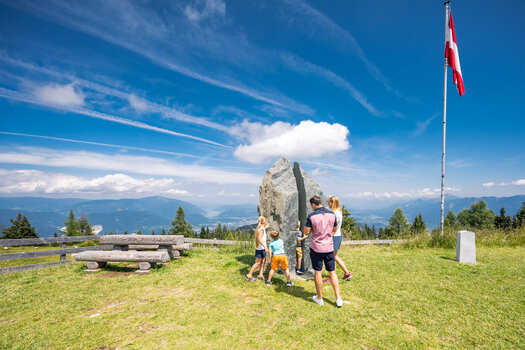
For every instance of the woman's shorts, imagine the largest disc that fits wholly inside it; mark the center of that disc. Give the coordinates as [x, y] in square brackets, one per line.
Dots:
[279, 260]
[299, 252]
[260, 253]
[337, 242]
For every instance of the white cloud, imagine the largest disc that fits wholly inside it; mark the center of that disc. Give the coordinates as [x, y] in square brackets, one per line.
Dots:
[520, 182]
[423, 193]
[320, 172]
[209, 9]
[59, 95]
[422, 126]
[137, 103]
[303, 141]
[125, 163]
[33, 181]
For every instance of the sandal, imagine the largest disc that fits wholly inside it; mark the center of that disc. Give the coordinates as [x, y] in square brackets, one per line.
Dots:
[250, 279]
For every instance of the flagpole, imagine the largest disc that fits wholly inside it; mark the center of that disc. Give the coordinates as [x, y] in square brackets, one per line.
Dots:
[447, 7]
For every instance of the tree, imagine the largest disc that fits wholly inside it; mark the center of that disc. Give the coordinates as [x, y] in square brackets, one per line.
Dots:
[139, 232]
[519, 218]
[203, 232]
[20, 228]
[348, 223]
[502, 221]
[478, 216]
[398, 224]
[179, 225]
[450, 219]
[418, 225]
[163, 233]
[71, 225]
[153, 232]
[84, 228]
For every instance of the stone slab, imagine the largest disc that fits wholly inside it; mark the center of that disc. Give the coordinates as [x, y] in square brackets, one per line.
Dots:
[466, 247]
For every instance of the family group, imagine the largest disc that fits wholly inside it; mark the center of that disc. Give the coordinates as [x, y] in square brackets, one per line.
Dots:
[325, 227]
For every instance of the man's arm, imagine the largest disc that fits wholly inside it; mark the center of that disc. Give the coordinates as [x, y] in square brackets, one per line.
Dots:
[307, 231]
[334, 230]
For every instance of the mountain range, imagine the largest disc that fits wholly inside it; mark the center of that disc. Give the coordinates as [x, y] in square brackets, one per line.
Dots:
[156, 213]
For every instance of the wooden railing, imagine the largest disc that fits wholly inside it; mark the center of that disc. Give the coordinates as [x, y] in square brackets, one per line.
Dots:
[63, 251]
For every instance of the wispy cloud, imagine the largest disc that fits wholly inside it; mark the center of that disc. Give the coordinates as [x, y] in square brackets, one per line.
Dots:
[422, 126]
[150, 34]
[60, 95]
[28, 98]
[301, 65]
[123, 163]
[204, 9]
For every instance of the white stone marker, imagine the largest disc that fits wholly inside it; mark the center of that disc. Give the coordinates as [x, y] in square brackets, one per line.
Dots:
[466, 247]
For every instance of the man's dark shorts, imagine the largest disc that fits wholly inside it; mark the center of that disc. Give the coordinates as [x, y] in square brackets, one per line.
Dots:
[260, 253]
[319, 258]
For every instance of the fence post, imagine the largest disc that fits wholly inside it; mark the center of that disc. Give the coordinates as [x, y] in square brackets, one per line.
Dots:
[215, 243]
[63, 245]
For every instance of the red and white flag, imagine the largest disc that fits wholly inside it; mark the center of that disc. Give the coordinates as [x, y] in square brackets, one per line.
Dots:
[452, 55]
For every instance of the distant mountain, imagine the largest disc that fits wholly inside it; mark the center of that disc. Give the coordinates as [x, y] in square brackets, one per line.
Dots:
[430, 209]
[156, 213]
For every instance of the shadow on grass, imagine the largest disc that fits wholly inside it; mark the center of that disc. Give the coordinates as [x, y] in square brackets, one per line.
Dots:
[248, 261]
[126, 268]
[447, 258]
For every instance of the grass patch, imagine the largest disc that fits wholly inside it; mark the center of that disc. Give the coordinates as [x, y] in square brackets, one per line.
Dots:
[411, 299]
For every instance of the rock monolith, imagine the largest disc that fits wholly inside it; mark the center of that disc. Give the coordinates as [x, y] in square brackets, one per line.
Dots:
[284, 199]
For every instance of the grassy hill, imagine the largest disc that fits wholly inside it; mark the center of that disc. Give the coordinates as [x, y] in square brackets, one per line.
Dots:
[403, 299]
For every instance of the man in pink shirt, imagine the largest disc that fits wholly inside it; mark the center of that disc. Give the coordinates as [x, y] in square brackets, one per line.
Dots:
[323, 225]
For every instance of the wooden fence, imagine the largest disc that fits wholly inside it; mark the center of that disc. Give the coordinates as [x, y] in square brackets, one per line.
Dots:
[63, 251]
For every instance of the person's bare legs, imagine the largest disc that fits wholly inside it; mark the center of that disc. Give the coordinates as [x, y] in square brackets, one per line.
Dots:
[341, 264]
[335, 283]
[287, 273]
[263, 261]
[270, 275]
[319, 284]
[254, 267]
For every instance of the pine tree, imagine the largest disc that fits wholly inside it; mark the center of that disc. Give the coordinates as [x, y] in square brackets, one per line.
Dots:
[519, 218]
[502, 221]
[418, 226]
[55, 235]
[450, 219]
[179, 225]
[163, 233]
[84, 228]
[398, 224]
[203, 232]
[348, 223]
[139, 232]
[71, 225]
[20, 228]
[153, 232]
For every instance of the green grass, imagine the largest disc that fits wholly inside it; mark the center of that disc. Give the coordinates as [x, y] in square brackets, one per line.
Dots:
[403, 299]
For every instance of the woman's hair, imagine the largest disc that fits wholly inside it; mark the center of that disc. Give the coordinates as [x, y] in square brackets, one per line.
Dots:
[274, 234]
[261, 222]
[335, 203]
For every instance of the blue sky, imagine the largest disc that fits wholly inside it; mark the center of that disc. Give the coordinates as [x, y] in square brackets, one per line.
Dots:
[196, 99]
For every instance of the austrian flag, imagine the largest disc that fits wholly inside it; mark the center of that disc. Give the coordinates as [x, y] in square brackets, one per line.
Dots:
[452, 55]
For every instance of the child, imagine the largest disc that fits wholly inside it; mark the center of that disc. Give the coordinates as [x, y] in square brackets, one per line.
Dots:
[299, 249]
[260, 249]
[278, 257]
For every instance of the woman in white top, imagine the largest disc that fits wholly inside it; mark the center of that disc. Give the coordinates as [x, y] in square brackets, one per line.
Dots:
[261, 249]
[333, 203]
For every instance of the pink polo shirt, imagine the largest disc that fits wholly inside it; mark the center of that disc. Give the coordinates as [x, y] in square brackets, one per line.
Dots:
[322, 221]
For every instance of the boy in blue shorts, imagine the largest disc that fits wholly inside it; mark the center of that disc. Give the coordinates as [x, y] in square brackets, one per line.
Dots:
[278, 257]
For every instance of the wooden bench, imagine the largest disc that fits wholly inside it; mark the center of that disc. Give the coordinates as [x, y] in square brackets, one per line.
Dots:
[97, 259]
[177, 250]
[163, 243]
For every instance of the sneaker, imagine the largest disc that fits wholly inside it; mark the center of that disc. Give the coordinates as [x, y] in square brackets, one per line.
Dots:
[347, 277]
[299, 272]
[289, 284]
[328, 281]
[268, 283]
[250, 279]
[339, 302]
[320, 302]
[262, 278]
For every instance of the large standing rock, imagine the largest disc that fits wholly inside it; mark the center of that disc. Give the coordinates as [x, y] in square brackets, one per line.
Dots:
[284, 199]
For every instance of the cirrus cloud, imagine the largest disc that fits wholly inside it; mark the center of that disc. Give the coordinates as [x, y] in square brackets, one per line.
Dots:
[423, 193]
[306, 140]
